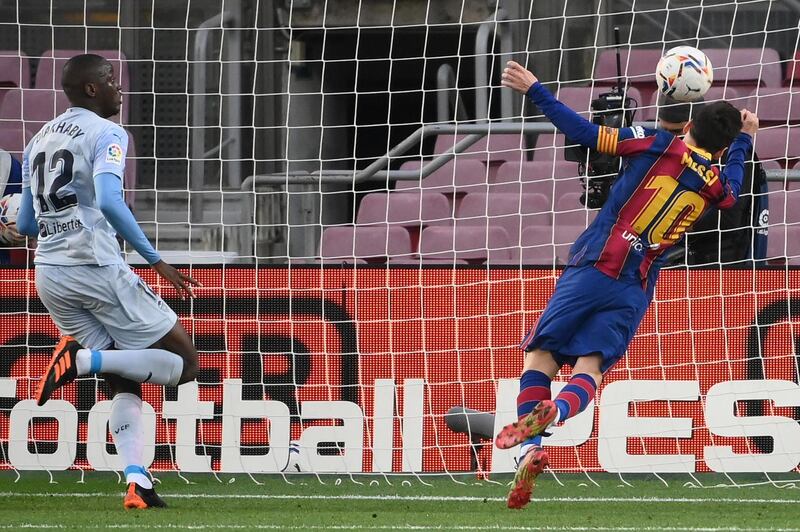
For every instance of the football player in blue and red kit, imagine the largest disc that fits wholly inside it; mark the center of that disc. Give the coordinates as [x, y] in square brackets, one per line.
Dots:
[666, 184]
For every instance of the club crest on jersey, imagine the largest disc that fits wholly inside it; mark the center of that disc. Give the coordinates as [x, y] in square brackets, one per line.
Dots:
[114, 154]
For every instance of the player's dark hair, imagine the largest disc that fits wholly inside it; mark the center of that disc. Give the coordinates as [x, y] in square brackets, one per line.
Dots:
[81, 69]
[716, 125]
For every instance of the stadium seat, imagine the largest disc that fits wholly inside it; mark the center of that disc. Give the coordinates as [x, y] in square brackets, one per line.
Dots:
[793, 244]
[638, 65]
[549, 147]
[563, 238]
[15, 72]
[406, 209]
[792, 77]
[509, 211]
[775, 106]
[745, 67]
[470, 243]
[371, 243]
[15, 69]
[729, 94]
[32, 108]
[570, 212]
[48, 71]
[491, 150]
[783, 243]
[457, 176]
[537, 245]
[579, 99]
[781, 144]
[534, 177]
[13, 139]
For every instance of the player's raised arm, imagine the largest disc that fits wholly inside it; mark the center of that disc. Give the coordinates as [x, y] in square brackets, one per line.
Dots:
[733, 173]
[624, 141]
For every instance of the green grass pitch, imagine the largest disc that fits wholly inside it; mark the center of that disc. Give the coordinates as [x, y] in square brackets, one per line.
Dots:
[236, 502]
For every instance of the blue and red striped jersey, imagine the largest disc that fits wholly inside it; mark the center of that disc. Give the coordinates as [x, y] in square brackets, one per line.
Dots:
[664, 187]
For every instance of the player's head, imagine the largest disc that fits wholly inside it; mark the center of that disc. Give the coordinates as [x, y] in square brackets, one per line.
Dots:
[715, 127]
[673, 115]
[88, 81]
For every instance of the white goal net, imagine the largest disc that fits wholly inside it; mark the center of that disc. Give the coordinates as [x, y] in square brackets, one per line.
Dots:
[377, 223]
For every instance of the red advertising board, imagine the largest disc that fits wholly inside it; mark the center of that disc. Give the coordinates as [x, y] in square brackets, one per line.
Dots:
[301, 335]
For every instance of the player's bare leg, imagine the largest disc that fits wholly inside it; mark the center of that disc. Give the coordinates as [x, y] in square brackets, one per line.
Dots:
[589, 365]
[177, 341]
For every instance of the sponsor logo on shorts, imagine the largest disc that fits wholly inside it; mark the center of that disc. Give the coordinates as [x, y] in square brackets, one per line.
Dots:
[114, 154]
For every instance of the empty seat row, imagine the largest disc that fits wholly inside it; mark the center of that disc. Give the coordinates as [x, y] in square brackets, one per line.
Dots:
[461, 176]
[15, 67]
[545, 245]
[449, 245]
[415, 210]
[36, 106]
[15, 79]
[552, 176]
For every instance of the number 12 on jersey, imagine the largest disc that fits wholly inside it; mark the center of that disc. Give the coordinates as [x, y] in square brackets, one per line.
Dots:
[49, 199]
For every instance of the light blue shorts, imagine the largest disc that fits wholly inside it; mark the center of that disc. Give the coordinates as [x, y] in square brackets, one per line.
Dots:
[104, 306]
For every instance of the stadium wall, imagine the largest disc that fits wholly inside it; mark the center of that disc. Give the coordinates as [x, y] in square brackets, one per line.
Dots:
[372, 359]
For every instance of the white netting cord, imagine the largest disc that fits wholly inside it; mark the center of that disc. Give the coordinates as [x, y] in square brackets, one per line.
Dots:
[423, 327]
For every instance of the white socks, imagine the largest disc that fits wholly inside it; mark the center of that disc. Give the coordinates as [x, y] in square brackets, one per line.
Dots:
[155, 366]
[523, 450]
[125, 425]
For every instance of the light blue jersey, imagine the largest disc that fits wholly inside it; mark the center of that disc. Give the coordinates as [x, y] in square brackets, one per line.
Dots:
[59, 165]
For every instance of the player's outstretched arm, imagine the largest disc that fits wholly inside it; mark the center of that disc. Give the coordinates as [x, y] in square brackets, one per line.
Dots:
[108, 191]
[574, 126]
[733, 173]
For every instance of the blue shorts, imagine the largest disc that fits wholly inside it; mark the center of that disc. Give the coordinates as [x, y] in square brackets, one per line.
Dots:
[589, 313]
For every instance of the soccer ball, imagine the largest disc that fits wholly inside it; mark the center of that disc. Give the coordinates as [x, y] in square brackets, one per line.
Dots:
[9, 208]
[684, 73]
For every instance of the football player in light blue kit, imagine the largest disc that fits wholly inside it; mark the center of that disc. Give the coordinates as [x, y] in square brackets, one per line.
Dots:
[113, 324]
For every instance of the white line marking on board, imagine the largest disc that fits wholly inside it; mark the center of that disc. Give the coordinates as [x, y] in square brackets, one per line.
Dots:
[137, 526]
[419, 498]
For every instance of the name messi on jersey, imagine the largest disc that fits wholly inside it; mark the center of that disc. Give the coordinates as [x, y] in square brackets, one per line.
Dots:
[64, 127]
[708, 175]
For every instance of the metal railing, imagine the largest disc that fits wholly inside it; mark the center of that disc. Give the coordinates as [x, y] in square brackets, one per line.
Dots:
[230, 70]
[474, 132]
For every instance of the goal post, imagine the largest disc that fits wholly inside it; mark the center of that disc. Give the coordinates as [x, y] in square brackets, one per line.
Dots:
[377, 223]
